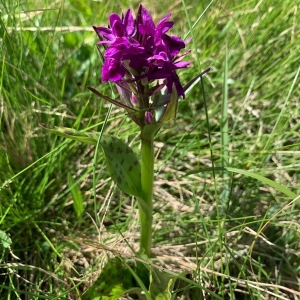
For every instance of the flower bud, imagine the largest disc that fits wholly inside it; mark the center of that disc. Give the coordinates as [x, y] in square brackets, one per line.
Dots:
[148, 117]
[134, 100]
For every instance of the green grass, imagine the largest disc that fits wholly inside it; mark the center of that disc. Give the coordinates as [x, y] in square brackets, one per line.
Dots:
[237, 233]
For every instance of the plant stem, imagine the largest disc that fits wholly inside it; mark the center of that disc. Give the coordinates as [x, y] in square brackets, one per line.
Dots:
[147, 177]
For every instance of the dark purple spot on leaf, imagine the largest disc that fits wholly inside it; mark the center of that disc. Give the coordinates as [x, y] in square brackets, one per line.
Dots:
[119, 150]
[119, 179]
[130, 169]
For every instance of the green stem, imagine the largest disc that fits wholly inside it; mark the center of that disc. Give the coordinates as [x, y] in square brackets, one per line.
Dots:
[147, 177]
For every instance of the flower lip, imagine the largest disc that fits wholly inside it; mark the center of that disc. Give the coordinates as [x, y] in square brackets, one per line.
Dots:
[112, 70]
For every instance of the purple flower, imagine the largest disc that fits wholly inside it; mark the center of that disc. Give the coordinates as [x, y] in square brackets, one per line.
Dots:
[167, 69]
[143, 55]
[124, 27]
[112, 70]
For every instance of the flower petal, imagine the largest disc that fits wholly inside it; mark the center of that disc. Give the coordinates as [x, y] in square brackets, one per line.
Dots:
[129, 23]
[112, 70]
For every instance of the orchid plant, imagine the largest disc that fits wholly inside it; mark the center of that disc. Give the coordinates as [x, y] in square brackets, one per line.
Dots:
[141, 59]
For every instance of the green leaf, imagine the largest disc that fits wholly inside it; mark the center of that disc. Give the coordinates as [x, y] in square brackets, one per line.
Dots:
[161, 284]
[141, 275]
[265, 180]
[122, 163]
[171, 109]
[77, 196]
[165, 105]
[84, 137]
[150, 130]
[114, 281]
[5, 239]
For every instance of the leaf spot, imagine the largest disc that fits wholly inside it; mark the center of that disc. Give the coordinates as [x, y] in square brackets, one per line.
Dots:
[119, 179]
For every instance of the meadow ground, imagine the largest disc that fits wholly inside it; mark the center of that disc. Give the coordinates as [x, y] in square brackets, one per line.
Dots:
[226, 205]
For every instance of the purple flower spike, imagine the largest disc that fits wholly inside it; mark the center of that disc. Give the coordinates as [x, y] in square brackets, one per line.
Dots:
[142, 55]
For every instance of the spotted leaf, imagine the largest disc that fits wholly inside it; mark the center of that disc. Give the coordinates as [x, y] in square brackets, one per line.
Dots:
[122, 163]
